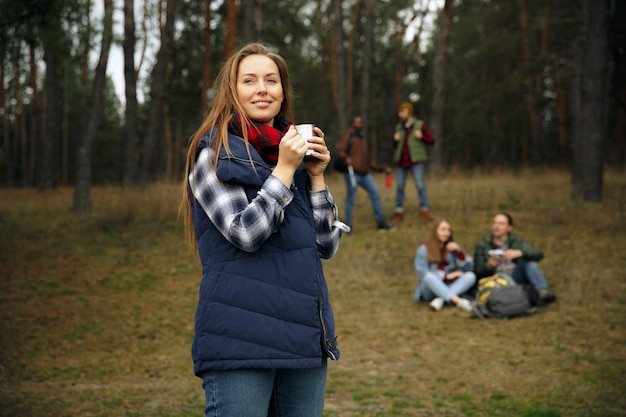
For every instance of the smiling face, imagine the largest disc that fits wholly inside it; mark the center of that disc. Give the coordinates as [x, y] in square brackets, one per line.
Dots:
[444, 231]
[259, 88]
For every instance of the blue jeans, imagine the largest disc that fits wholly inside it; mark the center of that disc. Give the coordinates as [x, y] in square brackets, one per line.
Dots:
[528, 272]
[369, 185]
[432, 286]
[265, 392]
[417, 172]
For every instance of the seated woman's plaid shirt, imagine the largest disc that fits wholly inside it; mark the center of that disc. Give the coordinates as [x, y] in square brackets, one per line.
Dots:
[247, 225]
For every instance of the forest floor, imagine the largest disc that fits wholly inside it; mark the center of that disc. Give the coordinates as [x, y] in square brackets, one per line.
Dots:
[96, 311]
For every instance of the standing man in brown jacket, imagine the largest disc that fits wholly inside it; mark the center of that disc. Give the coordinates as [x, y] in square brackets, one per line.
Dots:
[353, 148]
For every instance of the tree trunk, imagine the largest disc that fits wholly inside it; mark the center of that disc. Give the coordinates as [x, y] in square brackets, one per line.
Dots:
[340, 65]
[590, 100]
[169, 141]
[356, 10]
[131, 138]
[253, 18]
[82, 112]
[231, 29]
[206, 67]
[65, 134]
[439, 71]
[82, 198]
[154, 136]
[529, 95]
[35, 132]
[46, 172]
[5, 120]
[560, 114]
[366, 72]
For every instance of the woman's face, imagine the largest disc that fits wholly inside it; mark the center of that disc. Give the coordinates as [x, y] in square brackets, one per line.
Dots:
[444, 231]
[259, 88]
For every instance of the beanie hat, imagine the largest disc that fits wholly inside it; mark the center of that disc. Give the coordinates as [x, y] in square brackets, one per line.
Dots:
[408, 106]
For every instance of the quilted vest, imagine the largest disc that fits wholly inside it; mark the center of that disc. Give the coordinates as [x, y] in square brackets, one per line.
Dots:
[263, 309]
[417, 149]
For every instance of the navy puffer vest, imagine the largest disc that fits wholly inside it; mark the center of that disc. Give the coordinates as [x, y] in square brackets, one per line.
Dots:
[269, 308]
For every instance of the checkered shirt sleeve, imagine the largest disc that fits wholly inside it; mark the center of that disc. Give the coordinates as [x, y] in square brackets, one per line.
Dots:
[248, 225]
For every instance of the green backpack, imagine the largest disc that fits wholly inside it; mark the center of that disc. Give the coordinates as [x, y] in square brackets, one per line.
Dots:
[498, 296]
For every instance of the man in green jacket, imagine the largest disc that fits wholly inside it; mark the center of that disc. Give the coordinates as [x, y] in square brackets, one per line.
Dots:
[506, 253]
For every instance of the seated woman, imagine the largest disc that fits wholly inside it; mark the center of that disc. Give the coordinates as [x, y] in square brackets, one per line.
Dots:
[444, 270]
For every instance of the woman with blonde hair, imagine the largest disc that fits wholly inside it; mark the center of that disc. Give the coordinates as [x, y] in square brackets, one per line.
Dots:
[444, 269]
[261, 219]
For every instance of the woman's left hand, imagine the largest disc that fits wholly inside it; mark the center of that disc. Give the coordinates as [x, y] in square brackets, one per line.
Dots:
[316, 163]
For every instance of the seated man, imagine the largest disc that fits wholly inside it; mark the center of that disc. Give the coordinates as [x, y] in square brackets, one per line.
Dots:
[503, 252]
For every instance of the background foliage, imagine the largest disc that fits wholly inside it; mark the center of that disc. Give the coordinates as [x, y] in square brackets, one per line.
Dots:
[487, 120]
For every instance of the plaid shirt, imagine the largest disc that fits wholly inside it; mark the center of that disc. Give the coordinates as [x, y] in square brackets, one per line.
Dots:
[248, 224]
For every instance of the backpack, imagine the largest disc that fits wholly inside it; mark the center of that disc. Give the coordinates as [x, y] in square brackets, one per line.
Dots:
[500, 297]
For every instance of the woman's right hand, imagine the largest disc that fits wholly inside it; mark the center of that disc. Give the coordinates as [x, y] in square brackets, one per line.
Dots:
[291, 150]
[452, 247]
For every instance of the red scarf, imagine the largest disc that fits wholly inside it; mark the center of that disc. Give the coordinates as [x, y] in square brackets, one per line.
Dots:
[265, 139]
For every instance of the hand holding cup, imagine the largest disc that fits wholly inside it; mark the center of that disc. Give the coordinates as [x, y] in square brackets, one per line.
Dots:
[306, 131]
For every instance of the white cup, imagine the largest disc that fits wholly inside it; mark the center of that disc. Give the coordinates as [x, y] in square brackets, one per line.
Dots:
[306, 131]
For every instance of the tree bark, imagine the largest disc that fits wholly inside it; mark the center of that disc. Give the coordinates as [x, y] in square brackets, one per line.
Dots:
[560, 114]
[339, 85]
[356, 11]
[3, 110]
[231, 29]
[253, 18]
[46, 172]
[366, 72]
[590, 101]
[154, 136]
[31, 150]
[438, 107]
[529, 95]
[131, 137]
[206, 67]
[82, 190]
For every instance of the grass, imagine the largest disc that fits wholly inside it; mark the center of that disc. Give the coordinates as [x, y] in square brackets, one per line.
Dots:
[96, 311]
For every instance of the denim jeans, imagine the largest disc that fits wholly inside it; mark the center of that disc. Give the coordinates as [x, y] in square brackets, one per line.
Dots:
[528, 272]
[265, 392]
[369, 185]
[432, 286]
[417, 172]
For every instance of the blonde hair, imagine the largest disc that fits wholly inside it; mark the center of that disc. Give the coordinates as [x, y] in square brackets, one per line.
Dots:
[436, 249]
[226, 103]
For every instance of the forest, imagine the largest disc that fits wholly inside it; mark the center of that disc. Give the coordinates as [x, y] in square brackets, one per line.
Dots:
[502, 84]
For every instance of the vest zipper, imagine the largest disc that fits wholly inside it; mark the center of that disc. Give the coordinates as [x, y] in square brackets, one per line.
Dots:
[328, 344]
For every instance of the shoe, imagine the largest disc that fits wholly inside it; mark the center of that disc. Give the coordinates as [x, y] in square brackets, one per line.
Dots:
[437, 304]
[398, 217]
[424, 215]
[384, 227]
[546, 295]
[465, 305]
